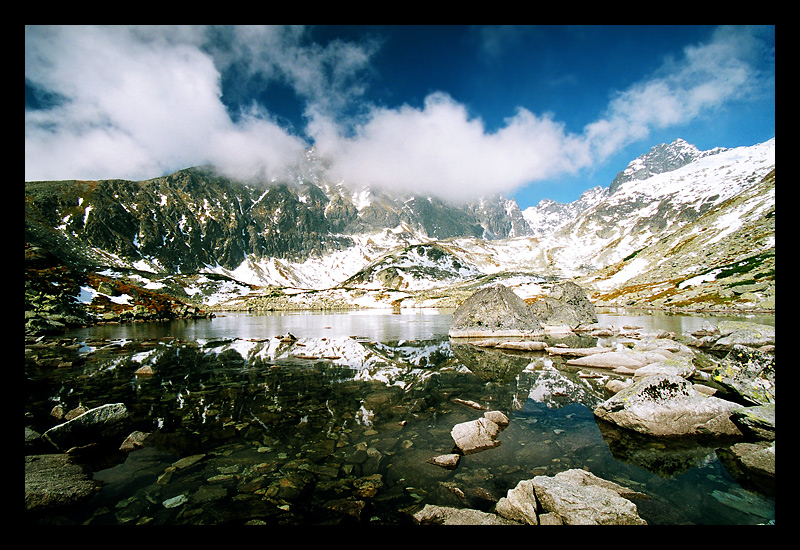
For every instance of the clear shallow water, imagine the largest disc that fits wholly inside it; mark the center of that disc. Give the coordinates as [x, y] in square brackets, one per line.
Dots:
[345, 438]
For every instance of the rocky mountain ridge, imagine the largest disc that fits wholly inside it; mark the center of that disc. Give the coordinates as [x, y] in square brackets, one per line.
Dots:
[195, 218]
[549, 215]
[697, 237]
[677, 225]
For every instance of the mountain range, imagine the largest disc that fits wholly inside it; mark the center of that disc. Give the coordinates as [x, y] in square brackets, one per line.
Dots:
[677, 228]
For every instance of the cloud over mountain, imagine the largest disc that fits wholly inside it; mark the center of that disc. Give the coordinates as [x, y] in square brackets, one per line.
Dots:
[138, 102]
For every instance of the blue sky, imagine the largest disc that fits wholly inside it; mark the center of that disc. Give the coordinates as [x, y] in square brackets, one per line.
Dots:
[530, 112]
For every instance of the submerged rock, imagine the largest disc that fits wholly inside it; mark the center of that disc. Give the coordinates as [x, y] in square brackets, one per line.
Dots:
[446, 515]
[494, 311]
[104, 422]
[449, 461]
[54, 481]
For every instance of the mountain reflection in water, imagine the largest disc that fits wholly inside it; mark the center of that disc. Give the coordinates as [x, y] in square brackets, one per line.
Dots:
[338, 426]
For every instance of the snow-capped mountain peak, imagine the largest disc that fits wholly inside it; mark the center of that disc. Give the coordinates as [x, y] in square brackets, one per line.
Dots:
[660, 159]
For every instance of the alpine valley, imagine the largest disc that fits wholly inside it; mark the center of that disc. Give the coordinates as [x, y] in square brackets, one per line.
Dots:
[677, 229]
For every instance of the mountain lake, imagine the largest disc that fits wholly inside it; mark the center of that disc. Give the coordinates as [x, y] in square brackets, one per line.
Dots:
[252, 430]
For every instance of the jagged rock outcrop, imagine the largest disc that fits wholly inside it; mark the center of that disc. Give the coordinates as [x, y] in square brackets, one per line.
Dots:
[498, 311]
[195, 217]
[684, 238]
[549, 215]
[573, 497]
[700, 236]
[661, 158]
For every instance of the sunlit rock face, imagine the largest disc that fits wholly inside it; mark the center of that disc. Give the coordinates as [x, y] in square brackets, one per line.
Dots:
[495, 310]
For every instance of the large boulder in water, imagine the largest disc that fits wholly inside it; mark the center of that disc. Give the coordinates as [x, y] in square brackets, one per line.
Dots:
[668, 405]
[566, 304]
[573, 497]
[752, 464]
[494, 311]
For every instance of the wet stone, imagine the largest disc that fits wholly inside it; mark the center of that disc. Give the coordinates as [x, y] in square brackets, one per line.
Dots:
[188, 461]
[357, 457]
[208, 493]
[449, 461]
[252, 485]
[221, 478]
[290, 487]
[368, 487]
[176, 501]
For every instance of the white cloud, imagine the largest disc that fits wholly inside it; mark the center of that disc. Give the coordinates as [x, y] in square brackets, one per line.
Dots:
[138, 102]
[439, 150]
[135, 107]
[708, 76]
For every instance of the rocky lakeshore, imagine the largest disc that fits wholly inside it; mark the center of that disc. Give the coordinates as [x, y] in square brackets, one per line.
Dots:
[712, 390]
